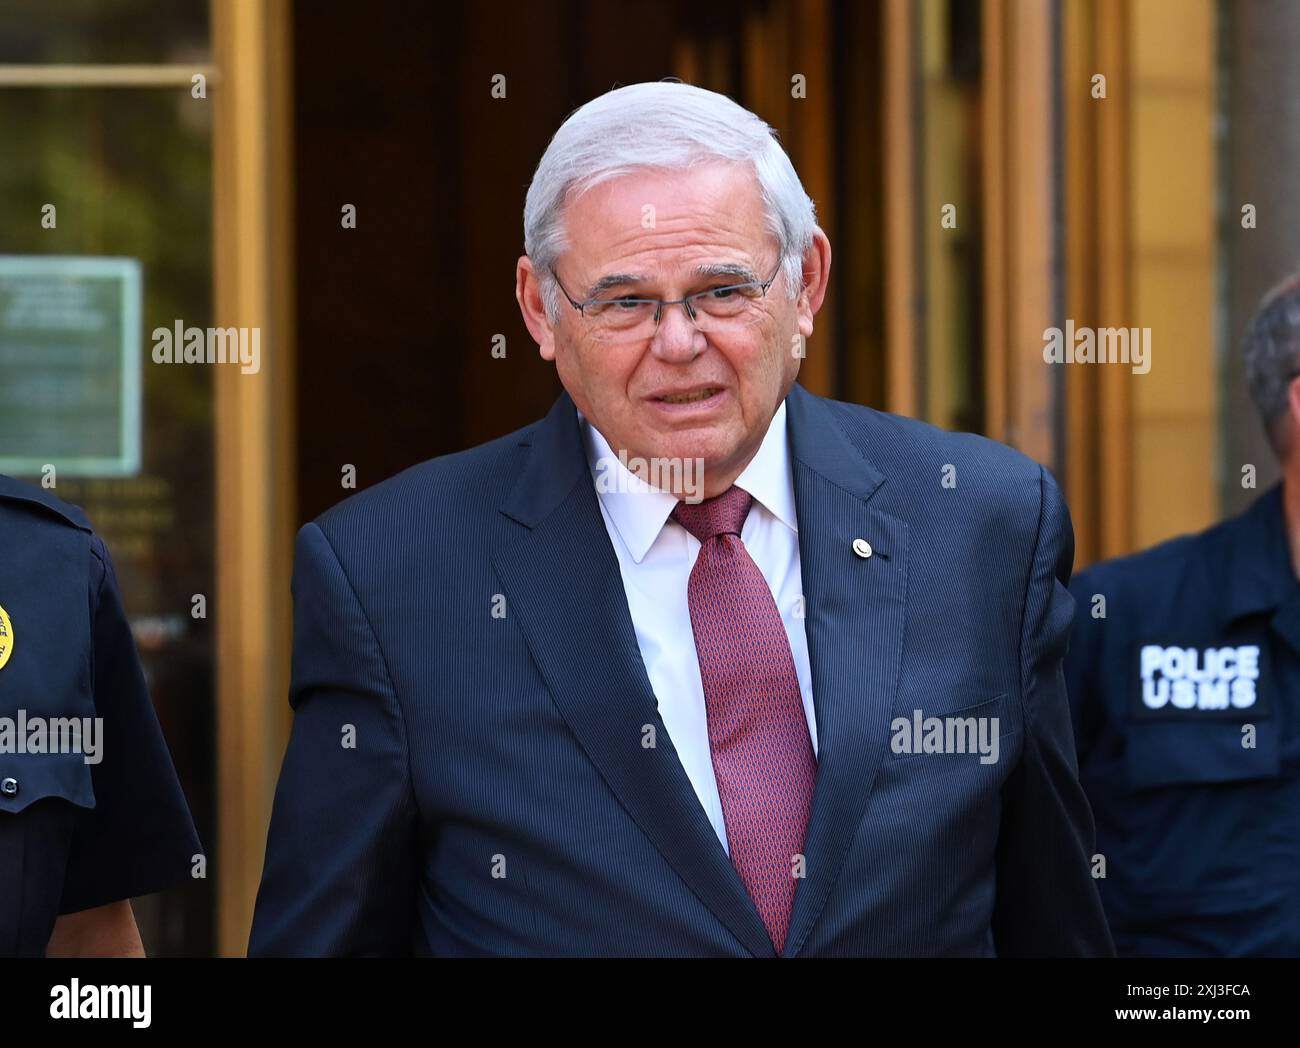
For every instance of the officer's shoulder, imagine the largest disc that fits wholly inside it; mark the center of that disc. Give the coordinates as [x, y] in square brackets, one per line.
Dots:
[17, 496]
[445, 489]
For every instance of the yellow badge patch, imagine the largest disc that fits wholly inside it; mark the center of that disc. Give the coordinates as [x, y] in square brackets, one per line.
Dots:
[6, 638]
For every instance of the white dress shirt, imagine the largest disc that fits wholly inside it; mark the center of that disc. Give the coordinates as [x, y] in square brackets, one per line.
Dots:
[655, 556]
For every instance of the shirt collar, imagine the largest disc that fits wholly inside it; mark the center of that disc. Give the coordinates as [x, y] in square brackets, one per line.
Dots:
[639, 511]
[768, 476]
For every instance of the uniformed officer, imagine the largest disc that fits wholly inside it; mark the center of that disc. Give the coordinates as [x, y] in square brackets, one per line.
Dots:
[1184, 683]
[91, 812]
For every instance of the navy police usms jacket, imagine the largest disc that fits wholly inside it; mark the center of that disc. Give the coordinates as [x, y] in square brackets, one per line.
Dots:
[74, 834]
[1184, 684]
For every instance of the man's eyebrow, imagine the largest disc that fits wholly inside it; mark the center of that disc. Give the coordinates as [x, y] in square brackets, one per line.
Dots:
[742, 274]
[614, 280]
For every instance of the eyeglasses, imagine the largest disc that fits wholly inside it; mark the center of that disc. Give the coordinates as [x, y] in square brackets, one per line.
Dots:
[626, 318]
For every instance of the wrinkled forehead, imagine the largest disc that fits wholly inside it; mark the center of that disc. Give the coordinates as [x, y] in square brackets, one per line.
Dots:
[669, 218]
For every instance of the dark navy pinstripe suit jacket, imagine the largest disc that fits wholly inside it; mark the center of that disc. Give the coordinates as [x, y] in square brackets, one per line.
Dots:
[498, 798]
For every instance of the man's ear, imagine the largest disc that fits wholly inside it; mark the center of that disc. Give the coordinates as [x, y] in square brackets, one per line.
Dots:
[528, 293]
[816, 278]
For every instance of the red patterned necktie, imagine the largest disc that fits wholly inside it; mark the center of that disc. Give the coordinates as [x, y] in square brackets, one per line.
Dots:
[758, 734]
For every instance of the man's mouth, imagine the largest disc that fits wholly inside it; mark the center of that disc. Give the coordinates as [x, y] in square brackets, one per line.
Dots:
[690, 398]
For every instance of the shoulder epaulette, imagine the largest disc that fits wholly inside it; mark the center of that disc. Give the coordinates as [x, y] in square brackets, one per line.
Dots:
[16, 492]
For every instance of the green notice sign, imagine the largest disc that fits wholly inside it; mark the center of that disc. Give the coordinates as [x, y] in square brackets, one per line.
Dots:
[70, 365]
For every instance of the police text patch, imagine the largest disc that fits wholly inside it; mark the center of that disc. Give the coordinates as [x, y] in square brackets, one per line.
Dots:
[1200, 681]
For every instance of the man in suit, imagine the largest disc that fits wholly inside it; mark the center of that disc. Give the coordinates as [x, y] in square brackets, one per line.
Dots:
[700, 663]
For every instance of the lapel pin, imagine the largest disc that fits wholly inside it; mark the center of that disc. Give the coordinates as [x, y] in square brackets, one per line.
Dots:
[862, 548]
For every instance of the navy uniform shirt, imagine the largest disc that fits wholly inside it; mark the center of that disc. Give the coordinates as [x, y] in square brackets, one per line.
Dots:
[1186, 705]
[74, 835]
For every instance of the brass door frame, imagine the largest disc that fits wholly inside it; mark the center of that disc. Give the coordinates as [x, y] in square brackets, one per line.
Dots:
[253, 269]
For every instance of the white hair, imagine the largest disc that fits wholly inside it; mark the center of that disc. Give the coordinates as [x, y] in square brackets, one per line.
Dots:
[662, 125]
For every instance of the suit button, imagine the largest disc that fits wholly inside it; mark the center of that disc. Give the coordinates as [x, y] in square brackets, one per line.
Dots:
[862, 548]
[9, 787]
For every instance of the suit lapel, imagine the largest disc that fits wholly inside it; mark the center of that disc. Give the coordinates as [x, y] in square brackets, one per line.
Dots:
[855, 610]
[563, 587]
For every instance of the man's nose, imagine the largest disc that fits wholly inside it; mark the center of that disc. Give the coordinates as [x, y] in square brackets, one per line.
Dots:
[677, 338]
